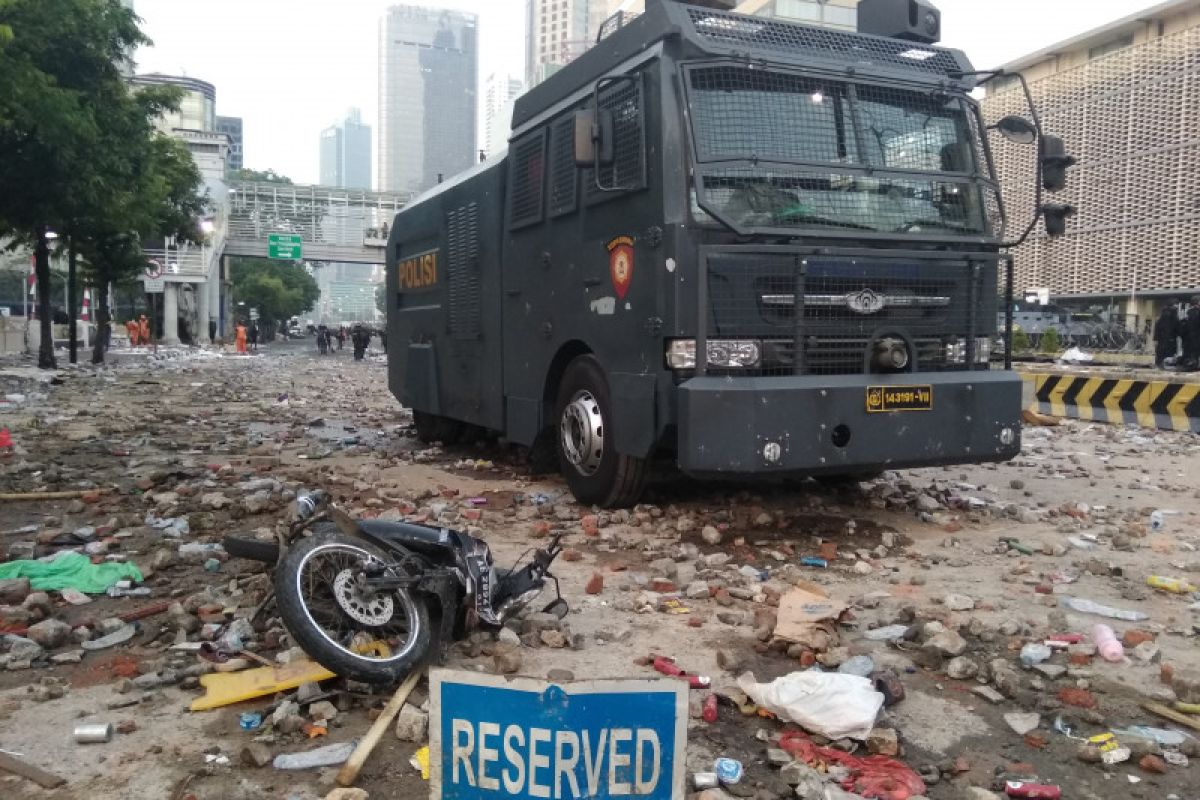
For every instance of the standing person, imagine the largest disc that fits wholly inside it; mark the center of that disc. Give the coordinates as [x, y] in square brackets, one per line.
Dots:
[1166, 333]
[341, 336]
[361, 338]
[322, 340]
[131, 329]
[143, 330]
[254, 335]
[241, 338]
[1190, 332]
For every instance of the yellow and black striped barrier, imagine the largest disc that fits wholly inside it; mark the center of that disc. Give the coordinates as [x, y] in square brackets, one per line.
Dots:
[1118, 401]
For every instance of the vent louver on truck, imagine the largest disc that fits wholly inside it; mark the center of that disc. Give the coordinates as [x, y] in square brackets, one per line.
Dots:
[463, 267]
[759, 33]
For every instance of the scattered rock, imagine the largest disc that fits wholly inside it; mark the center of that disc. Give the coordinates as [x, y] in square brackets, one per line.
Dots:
[411, 724]
[50, 634]
[883, 742]
[949, 643]
[962, 668]
[1023, 722]
[255, 754]
[554, 638]
[595, 584]
[958, 602]
[13, 591]
[507, 659]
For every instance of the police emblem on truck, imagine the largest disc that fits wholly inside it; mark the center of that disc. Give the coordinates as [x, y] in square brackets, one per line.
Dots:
[620, 264]
[418, 272]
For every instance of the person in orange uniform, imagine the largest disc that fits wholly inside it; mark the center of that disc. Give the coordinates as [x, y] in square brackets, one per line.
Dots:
[143, 330]
[241, 338]
[131, 328]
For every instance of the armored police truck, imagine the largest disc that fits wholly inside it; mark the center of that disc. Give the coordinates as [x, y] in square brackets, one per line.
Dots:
[763, 248]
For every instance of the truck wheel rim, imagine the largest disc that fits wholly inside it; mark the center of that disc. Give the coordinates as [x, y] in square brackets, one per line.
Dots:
[582, 433]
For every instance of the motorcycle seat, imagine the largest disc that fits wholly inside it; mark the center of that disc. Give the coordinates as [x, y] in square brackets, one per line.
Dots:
[415, 537]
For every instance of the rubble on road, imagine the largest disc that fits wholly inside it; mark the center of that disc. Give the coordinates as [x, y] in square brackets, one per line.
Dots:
[922, 590]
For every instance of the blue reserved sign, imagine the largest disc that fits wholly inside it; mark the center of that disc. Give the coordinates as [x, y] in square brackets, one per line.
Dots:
[492, 737]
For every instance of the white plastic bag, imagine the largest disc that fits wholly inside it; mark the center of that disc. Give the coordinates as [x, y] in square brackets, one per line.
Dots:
[832, 704]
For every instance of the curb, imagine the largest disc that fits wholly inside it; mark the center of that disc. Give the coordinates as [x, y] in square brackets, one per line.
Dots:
[1165, 405]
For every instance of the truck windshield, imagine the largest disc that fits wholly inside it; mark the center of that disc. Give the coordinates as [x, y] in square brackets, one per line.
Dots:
[780, 150]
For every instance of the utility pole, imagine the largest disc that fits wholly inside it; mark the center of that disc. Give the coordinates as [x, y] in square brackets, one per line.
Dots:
[72, 311]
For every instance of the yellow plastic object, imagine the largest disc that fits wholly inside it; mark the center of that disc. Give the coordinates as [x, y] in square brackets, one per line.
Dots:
[227, 688]
[1175, 585]
[420, 760]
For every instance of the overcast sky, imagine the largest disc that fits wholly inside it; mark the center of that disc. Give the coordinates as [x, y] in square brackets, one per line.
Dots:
[290, 68]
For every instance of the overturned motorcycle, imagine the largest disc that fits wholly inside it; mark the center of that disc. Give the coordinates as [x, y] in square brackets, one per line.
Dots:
[372, 600]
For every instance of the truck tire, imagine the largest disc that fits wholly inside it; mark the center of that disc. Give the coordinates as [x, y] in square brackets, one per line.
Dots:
[597, 474]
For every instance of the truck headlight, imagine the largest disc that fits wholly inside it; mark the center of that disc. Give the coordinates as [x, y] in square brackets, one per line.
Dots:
[723, 353]
[956, 350]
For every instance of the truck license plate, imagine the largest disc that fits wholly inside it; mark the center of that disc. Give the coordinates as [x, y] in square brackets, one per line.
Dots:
[899, 398]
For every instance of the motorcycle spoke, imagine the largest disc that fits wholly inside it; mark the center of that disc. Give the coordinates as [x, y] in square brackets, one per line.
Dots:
[317, 581]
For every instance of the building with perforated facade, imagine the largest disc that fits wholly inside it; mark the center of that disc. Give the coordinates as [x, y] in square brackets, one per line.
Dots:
[1126, 98]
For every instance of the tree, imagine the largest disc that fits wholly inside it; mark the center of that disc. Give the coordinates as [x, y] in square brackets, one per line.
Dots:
[1050, 342]
[262, 176]
[154, 195]
[279, 290]
[59, 65]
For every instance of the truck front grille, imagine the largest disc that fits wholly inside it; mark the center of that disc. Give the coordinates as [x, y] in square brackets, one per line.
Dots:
[848, 306]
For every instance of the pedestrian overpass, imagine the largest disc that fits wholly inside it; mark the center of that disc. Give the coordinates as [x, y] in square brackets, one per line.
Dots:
[315, 224]
[348, 226]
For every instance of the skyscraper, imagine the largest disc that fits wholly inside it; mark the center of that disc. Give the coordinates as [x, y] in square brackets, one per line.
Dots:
[500, 94]
[556, 33]
[346, 153]
[427, 96]
[232, 127]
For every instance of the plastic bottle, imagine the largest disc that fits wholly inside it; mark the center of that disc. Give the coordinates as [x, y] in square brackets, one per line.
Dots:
[1175, 585]
[1107, 644]
[1157, 521]
[1091, 607]
[709, 711]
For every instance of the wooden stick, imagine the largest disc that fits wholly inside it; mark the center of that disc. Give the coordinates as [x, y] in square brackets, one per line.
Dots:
[1174, 716]
[14, 497]
[46, 780]
[349, 771]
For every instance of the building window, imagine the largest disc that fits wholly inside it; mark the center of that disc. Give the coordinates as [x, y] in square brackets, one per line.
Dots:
[1111, 46]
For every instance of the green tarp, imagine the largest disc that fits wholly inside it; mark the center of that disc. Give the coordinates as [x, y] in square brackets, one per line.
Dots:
[70, 570]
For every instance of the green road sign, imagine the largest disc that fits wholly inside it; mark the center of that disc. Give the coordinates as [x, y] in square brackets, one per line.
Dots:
[287, 246]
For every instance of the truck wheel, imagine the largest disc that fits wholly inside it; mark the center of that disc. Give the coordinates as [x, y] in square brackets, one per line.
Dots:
[595, 471]
[432, 428]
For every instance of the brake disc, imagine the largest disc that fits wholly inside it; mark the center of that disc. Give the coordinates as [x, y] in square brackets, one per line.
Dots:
[369, 608]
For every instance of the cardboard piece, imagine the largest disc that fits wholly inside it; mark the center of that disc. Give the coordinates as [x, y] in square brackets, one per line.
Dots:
[808, 616]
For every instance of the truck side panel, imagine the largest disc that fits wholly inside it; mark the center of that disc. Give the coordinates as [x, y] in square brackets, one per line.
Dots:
[581, 266]
[444, 325]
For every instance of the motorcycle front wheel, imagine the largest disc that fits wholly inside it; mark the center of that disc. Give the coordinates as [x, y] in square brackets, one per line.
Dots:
[370, 636]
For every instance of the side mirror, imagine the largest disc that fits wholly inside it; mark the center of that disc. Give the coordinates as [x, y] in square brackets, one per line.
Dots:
[1055, 217]
[1055, 162]
[593, 138]
[1017, 129]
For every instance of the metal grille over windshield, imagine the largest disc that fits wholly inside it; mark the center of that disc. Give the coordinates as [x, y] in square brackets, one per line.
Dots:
[782, 150]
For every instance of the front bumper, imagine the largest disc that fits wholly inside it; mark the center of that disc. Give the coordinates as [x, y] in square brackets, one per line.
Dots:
[820, 423]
